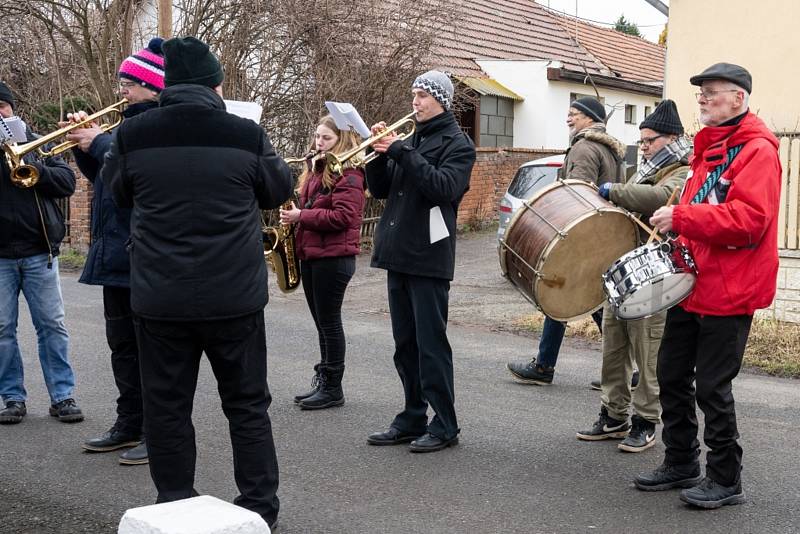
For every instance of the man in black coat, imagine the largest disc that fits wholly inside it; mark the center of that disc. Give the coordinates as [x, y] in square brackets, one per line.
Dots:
[423, 180]
[141, 78]
[196, 177]
[31, 229]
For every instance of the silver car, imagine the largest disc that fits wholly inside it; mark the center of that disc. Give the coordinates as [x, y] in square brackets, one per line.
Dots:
[530, 178]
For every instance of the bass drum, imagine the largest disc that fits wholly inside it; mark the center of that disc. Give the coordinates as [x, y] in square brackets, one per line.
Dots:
[559, 244]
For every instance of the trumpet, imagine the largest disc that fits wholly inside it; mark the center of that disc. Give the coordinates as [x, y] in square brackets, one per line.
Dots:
[24, 175]
[336, 162]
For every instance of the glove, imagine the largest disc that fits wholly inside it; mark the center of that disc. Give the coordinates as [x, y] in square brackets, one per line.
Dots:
[605, 190]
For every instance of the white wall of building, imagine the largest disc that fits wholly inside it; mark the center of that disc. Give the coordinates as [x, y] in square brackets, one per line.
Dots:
[540, 119]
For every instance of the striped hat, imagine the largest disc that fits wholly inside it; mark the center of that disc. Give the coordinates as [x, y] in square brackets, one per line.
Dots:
[146, 67]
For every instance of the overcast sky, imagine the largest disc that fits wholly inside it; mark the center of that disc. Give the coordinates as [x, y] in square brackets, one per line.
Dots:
[649, 19]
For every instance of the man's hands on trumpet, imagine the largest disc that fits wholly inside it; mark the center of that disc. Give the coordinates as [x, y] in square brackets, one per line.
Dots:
[382, 144]
[662, 219]
[290, 216]
[82, 136]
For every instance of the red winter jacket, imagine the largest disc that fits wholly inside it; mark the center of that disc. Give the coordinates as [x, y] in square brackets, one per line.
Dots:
[735, 243]
[331, 225]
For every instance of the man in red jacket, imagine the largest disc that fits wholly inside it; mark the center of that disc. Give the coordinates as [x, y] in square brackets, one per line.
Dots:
[727, 217]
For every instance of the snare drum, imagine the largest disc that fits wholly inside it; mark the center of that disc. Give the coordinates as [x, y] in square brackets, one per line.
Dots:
[559, 243]
[649, 279]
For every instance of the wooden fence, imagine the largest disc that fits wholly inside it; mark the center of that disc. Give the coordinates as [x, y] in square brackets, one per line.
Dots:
[788, 228]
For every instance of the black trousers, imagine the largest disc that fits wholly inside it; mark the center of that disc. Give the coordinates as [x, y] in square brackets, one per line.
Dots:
[423, 358]
[706, 350]
[121, 337]
[324, 283]
[170, 358]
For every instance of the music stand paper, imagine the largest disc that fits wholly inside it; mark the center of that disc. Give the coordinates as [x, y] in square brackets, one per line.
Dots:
[247, 110]
[347, 118]
[436, 225]
[12, 130]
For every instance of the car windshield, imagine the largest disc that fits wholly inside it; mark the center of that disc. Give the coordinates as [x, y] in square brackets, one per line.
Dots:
[529, 179]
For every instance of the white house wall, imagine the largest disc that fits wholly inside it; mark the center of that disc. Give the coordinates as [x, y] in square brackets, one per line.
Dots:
[540, 119]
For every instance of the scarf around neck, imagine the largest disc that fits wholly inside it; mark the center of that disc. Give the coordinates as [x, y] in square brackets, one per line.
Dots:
[671, 153]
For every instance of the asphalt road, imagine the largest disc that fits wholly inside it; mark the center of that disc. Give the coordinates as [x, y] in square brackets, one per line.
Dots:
[518, 467]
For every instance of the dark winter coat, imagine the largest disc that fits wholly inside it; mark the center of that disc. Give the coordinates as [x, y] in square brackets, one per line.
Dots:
[430, 169]
[21, 232]
[107, 262]
[330, 220]
[195, 177]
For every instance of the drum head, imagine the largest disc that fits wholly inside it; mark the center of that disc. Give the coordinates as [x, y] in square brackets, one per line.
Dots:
[571, 285]
[656, 296]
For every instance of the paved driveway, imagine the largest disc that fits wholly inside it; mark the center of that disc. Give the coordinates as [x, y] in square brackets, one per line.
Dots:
[518, 468]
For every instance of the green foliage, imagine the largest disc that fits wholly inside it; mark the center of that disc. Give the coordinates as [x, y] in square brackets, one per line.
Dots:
[70, 260]
[44, 118]
[625, 26]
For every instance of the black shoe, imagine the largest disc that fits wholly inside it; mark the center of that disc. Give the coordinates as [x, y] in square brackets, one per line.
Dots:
[669, 476]
[531, 373]
[641, 437]
[111, 441]
[314, 388]
[327, 397]
[392, 437]
[431, 443]
[597, 386]
[605, 427]
[135, 456]
[709, 494]
[67, 411]
[13, 413]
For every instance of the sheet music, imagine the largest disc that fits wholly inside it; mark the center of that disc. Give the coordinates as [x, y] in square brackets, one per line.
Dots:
[12, 130]
[347, 118]
[247, 110]
[436, 225]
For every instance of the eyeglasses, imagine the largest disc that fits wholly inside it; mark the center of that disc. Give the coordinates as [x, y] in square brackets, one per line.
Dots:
[711, 95]
[648, 140]
[127, 85]
[574, 114]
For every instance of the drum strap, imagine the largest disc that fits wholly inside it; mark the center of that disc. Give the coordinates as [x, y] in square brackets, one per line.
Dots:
[713, 176]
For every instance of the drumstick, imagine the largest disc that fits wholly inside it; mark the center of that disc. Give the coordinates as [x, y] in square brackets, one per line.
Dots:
[655, 230]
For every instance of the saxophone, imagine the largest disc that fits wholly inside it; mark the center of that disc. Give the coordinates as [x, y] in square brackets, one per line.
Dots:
[280, 253]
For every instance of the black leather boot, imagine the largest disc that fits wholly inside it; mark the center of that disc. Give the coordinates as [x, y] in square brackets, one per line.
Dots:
[330, 392]
[314, 387]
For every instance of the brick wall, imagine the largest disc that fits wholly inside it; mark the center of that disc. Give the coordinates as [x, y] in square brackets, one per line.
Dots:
[79, 214]
[494, 169]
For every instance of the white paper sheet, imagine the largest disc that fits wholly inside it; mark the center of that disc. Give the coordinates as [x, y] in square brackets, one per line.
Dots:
[346, 118]
[12, 130]
[247, 110]
[438, 229]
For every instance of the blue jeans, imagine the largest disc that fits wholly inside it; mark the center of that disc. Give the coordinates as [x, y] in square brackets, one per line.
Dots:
[42, 289]
[553, 335]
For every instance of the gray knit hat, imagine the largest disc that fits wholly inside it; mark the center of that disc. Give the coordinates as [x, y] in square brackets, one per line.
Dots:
[438, 85]
[6, 95]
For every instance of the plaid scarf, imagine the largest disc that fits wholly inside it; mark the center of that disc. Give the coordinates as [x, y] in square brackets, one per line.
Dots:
[672, 153]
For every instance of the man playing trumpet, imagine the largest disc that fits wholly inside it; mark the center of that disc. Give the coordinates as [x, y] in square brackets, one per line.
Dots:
[423, 180]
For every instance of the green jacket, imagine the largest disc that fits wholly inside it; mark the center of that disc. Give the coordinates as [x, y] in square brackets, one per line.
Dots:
[594, 157]
[646, 197]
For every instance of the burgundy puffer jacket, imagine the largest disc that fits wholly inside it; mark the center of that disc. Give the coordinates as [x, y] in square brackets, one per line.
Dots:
[330, 221]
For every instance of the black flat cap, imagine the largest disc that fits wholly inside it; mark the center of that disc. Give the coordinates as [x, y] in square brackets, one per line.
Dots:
[725, 71]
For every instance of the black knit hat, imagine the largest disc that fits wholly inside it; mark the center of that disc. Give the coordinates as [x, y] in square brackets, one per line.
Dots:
[664, 119]
[5, 95]
[591, 107]
[188, 60]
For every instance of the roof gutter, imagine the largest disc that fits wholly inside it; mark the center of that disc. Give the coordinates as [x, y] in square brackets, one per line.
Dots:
[565, 75]
[659, 5]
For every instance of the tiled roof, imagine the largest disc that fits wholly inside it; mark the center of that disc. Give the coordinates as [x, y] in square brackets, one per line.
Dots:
[525, 30]
[627, 56]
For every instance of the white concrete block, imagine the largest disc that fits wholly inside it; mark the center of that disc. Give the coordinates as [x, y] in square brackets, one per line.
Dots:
[198, 515]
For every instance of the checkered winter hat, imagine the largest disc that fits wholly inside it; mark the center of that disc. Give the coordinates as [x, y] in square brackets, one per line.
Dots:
[438, 85]
[146, 67]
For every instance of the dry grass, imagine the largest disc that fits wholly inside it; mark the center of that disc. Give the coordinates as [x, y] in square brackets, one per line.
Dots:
[773, 346]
